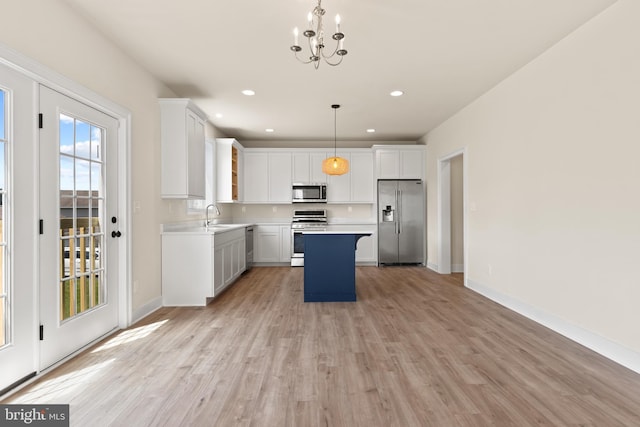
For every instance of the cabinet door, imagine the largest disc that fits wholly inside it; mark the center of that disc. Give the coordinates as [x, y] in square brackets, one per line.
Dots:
[182, 146]
[387, 164]
[242, 255]
[267, 247]
[362, 181]
[411, 164]
[366, 249]
[195, 153]
[256, 177]
[339, 186]
[315, 167]
[300, 168]
[279, 177]
[285, 243]
[227, 263]
[218, 269]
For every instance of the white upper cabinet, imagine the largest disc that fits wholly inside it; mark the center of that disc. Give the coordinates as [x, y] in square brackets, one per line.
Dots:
[307, 167]
[256, 177]
[399, 162]
[229, 162]
[280, 177]
[357, 185]
[362, 178]
[339, 186]
[267, 176]
[300, 167]
[183, 149]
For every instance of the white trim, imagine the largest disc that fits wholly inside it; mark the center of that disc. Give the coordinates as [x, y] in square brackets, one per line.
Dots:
[457, 268]
[147, 309]
[444, 216]
[432, 266]
[444, 213]
[47, 77]
[609, 349]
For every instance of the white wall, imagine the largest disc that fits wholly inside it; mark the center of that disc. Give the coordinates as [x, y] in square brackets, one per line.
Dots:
[553, 185]
[53, 35]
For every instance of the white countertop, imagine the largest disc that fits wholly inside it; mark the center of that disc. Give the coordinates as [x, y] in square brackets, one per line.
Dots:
[201, 229]
[343, 229]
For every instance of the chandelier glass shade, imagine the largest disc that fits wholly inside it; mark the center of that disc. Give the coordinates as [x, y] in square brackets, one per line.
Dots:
[315, 39]
[335, 165]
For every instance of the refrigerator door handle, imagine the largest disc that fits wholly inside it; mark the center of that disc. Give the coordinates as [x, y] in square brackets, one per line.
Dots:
[399, 205]
[397, 211]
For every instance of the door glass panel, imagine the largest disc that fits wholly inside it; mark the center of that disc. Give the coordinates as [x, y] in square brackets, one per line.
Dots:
[81, 198]
[5, 307]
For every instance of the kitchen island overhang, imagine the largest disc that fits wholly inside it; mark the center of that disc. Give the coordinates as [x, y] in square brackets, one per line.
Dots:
[330, 264]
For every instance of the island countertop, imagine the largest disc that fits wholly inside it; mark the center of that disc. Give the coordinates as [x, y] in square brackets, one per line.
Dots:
[343, 229]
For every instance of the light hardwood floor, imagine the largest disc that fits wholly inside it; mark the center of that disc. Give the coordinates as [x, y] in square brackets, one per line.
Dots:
[416, 349]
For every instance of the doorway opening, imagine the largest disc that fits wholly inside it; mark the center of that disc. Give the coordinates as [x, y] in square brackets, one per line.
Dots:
[452, 191]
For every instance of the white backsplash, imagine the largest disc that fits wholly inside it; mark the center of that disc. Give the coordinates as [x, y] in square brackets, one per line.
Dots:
[336, 213]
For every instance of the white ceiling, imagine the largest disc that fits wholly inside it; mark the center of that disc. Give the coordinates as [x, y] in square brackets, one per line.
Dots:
[442, 53]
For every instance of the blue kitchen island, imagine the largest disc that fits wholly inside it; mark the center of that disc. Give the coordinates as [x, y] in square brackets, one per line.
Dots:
[330, 265]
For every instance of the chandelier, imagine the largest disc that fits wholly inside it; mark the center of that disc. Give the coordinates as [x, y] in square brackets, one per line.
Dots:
[335, 165]
[315, 37]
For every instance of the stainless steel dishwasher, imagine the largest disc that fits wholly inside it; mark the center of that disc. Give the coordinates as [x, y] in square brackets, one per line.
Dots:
[248, 238]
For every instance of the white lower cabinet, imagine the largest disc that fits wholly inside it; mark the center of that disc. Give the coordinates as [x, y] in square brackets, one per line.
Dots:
[285, 243]
[198, 266]
[272, 243]
[367, 249]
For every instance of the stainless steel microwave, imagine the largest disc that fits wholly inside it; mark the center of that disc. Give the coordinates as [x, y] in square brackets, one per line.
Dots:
[309, 193]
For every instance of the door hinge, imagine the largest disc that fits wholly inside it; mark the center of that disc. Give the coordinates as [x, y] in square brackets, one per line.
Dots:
[41, 332]
[41, 226]
[40, 120]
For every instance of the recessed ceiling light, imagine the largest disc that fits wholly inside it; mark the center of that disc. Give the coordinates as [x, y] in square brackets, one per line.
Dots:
[248, 92]
[218, 116]
[396, 93]
[269, 130]
[371, 130]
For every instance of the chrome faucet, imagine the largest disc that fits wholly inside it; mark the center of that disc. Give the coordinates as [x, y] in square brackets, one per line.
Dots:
[208, 223]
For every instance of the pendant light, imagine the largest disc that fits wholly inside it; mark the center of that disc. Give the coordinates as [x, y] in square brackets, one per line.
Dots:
[335, 165]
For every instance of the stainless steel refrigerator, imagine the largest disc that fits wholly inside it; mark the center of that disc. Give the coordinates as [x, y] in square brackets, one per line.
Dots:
[400, 222]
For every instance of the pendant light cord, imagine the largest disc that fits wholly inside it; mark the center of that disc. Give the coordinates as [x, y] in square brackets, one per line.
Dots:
[335, 132]
[335, 129]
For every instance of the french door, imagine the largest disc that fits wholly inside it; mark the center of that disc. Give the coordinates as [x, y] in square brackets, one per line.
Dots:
[17, 228]
[79, 229]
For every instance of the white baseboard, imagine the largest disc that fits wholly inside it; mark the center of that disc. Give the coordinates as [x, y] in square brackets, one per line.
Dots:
[609, 349]
[457, 268]
[432, 266]
[146, 309]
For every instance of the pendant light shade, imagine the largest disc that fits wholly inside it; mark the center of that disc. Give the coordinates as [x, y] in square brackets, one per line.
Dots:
[335, 165]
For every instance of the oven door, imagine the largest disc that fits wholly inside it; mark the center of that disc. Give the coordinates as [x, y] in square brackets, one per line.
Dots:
[297, 247]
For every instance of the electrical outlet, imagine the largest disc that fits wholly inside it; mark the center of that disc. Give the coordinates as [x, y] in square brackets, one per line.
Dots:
[349, 209]
[244, 209]
[274, 208]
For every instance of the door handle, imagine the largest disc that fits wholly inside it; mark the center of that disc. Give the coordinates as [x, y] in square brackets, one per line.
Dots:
[115, 234]
[399, 206]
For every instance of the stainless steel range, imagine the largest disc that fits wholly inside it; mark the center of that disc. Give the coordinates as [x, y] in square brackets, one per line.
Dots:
[305, 219]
